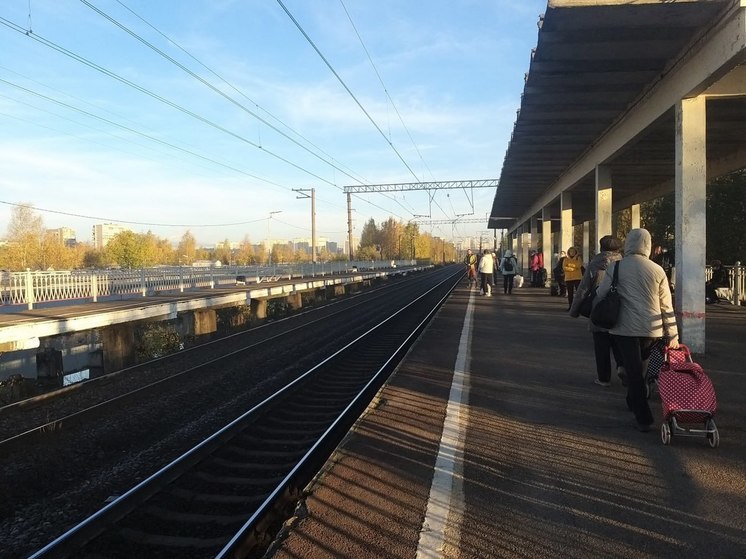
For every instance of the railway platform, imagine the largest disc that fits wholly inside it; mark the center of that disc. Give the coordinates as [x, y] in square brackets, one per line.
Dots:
[491, 440]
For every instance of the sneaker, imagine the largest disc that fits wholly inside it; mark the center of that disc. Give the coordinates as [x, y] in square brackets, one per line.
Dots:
[622, 374]
[602, 382]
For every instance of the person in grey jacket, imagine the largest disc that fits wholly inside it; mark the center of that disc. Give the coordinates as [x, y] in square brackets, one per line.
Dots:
[508, 269]
[602, 340]
[646, 315]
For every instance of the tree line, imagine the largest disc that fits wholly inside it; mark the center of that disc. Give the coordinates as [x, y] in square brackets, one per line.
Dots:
[30, 246]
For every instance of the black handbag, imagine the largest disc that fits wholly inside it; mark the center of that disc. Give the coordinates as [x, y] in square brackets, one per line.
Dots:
[606, 311]
[586, 305]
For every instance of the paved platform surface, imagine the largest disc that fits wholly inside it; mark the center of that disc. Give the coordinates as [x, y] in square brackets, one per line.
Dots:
[492, 441]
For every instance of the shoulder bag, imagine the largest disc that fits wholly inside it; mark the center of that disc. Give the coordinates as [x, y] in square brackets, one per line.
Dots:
[606, 311]
[586, 305]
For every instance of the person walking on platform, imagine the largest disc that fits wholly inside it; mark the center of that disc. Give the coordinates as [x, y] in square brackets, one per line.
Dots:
[486, 269]
[559, 274]
[572, 266]
[508, 270]
[536, 264]
[470, 261]
[603, 342]
[645, 316]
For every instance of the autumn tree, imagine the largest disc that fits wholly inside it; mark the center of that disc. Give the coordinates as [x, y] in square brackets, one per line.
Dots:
[245, 255]
[127, 250]
[25, 238]
[187, 249]
[370, 236]
[390, 238]
[223, 252]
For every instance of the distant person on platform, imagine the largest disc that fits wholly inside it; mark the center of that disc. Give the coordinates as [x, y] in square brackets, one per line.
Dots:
[486, 269]
[559, 274]
[536, 265]
[470, 261]
[573, 268]
[508, 269]
[664, 258]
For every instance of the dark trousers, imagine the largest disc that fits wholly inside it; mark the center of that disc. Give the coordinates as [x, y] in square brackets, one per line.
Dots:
[603, 343]
[508, 283]
[562, 286]
[635, 353]
[571, 286]
[486, 281]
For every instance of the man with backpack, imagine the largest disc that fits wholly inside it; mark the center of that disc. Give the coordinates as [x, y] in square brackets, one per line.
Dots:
[508, 269]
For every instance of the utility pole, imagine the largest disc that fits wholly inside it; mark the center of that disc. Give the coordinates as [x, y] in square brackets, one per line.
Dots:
[349, 226]
[269, 234]
[303, 194]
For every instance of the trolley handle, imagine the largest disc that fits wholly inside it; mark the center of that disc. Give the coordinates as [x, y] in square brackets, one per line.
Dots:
[682, 348]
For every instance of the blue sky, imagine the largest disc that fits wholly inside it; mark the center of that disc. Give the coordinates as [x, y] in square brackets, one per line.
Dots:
[139, 140]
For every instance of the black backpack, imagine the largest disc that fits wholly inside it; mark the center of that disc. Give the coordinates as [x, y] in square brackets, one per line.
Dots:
[508, 264]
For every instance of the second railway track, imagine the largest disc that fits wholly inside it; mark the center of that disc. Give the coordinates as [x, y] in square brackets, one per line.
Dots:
[195, 506]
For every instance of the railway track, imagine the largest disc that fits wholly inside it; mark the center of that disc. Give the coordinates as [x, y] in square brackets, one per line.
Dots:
[65, 407]
[225, 496]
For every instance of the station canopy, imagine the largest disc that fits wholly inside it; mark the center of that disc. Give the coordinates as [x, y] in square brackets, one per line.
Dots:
[595, 62]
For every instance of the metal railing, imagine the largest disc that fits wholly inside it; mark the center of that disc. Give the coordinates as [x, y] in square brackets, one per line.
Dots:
[32, 288]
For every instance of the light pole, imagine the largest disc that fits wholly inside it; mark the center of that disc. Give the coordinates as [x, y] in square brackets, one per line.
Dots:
[269, 234]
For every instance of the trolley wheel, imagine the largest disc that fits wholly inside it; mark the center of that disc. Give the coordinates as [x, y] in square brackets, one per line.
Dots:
[666, 433]
[714, 436]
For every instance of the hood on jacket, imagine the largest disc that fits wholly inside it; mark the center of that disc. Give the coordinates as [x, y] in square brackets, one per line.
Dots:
[508, 253]
[638, 241]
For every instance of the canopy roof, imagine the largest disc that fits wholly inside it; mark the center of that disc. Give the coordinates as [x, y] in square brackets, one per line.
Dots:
[594, 69]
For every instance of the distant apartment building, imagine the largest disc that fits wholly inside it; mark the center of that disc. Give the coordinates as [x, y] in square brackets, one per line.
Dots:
[304, 245]
[104, 232]
[63, 235]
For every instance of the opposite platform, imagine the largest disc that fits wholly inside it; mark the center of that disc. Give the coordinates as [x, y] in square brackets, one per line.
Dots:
[491, 440]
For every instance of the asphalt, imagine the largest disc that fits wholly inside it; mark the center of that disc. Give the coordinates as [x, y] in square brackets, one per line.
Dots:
[492, 441]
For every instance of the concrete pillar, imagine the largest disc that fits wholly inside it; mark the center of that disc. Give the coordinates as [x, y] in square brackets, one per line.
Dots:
[533, 232]
[604, 224]
[259, 308]
[523, 252]
[295, 301]
[119, 346]
[690, 214]
[205, 321]
[49, 363]
[566, 239]
[587, 242]
[546, 240]
[634, 216]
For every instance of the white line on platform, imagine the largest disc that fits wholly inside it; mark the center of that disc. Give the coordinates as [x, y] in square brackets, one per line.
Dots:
[440, 531]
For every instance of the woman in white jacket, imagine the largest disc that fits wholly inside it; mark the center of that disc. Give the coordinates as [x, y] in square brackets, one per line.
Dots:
[646, 314]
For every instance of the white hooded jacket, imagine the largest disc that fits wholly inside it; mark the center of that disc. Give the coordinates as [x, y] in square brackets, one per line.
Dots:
[646, 309]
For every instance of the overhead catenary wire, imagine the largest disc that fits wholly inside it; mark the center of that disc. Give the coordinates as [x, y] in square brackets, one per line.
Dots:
[195, 115]
[233, 87]
[351, 94]
[214, 89]
[385, 89]
[109, 73]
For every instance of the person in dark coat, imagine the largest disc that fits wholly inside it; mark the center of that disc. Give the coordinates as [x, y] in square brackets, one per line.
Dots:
[602, 340]
[646, 315]
[720, 278]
